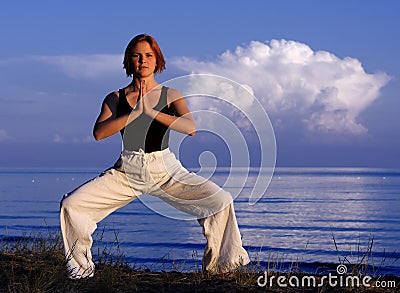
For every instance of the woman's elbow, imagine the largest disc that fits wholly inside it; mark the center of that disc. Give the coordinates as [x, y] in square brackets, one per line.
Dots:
[192, 130]
[97, 134]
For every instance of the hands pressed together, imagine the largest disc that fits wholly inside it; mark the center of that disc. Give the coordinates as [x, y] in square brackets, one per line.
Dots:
[142, 104]
[107, 125]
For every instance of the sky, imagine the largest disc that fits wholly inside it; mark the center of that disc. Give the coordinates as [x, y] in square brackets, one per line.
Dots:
[325, 72]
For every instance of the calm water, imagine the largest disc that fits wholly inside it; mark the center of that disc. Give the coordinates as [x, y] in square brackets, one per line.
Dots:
[296, 221]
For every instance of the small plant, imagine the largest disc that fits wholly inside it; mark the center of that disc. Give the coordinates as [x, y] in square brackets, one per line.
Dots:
[362, 260]
[36, 263]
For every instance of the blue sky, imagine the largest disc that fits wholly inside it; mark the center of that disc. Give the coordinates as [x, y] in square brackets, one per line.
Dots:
[328, 79]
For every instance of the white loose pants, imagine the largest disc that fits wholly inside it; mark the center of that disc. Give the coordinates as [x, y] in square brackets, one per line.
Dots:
[159, 174]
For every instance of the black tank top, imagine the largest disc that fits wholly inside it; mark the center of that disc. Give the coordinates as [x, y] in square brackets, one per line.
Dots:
[144, 132]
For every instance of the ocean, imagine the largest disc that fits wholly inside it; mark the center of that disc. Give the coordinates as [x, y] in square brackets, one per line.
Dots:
[311, 219]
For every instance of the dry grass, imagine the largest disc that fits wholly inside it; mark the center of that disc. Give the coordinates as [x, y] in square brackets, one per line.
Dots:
[36, 264]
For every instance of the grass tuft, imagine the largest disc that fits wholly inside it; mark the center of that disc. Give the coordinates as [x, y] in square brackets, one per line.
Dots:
[36, 263]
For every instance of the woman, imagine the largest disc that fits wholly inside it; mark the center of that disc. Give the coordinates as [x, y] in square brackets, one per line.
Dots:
[144, 112]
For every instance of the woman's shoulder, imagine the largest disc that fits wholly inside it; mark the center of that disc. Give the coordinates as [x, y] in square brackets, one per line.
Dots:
[173, 94]
[112, 96]
[116, 93]
[111, 99]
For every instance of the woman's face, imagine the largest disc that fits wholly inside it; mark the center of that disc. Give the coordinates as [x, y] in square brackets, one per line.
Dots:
[143, 60]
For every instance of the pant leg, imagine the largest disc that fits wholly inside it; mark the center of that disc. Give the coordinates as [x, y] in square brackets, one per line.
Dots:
[82, 209]
[213, 207]
[224, 251]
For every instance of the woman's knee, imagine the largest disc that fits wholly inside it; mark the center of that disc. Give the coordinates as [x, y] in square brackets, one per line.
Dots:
[220, 201]
[225, 197]
[64, 201]
[68, 201]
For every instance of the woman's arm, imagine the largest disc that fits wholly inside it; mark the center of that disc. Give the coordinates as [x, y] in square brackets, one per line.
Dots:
[107, 123]
[183, 121]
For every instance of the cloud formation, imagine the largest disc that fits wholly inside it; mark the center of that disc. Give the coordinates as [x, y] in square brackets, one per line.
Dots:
[3, 135]
[299, 86]
[58, 139]
[87, 66]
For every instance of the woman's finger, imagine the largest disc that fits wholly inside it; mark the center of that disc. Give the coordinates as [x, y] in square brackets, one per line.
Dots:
[142, 88]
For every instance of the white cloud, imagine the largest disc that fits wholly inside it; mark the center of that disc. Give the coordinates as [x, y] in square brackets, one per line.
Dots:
[84, 140]
[315, 89]
[88, 66]
[3, 135]
[57, 138]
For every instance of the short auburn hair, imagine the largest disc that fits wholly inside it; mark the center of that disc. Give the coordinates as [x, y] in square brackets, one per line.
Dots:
[160, 61]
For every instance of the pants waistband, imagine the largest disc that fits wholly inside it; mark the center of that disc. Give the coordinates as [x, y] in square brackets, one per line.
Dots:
[141, 152]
